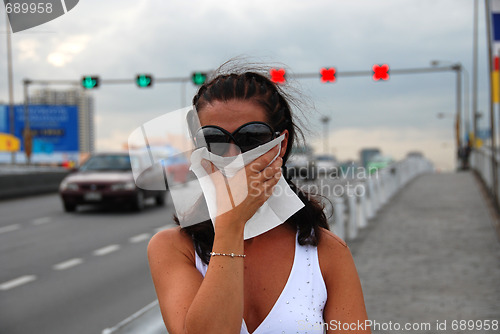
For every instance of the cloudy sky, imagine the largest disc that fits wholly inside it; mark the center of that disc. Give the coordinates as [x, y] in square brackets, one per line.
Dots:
[171, 38]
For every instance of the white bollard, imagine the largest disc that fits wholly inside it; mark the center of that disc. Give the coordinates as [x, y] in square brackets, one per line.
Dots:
[351, 207]
[374, 200]
[362, 206]
[339, 217]
[391, 190]
[379, 190]
[383, 180]
[369, 214]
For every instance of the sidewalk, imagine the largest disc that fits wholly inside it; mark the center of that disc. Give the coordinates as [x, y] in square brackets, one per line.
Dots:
[431, 255]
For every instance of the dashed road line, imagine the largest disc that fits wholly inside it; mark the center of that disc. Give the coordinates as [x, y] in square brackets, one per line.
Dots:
[9, 228]
[140, 237]
[67, 264]
[106, 250]
[17, 282]
[42, 220]
[71, 262]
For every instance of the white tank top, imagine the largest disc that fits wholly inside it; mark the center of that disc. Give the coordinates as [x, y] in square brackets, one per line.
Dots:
[299, 308]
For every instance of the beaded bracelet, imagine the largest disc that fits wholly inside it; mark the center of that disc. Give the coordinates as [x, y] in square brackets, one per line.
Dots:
[224, 254]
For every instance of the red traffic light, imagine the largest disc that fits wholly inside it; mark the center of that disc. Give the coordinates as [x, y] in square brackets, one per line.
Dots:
[277, 76]
[380, 72]
[327, 75]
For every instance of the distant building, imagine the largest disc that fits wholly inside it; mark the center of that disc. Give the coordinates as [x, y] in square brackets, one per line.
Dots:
[85, 103]
[367, 154]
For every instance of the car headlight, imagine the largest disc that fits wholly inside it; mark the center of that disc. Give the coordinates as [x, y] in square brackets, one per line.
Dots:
[123, 186]
[65, 185]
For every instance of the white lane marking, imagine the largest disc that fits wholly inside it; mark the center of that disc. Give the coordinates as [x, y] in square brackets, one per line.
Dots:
[67, 264]
[140, 237]
[166, 227]
[106, 250]
[17, 282]
[9, 228]
[43, 220]
[135, 316]
[64, 6]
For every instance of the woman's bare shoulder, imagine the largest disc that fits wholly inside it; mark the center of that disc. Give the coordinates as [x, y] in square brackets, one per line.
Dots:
[333, 253]
[329, 240]
[171, 242]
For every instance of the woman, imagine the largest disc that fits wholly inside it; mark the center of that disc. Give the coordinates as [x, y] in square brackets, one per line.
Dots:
[295, 278]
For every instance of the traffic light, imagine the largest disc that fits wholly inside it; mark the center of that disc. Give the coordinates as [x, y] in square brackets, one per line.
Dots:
[199, 78]
[380, 72]
[278, 76]
[144, 80]
[90, 82]
[327, 75]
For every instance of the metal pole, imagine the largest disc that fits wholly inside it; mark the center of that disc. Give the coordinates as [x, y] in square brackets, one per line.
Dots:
[492, 107]
[27, 134]
[325, 121]
[474, 73]
[325, 138]
[466, 104]
[458, 69]
[11, 86]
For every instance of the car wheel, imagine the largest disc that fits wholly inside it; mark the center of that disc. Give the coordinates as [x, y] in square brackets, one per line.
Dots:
[69, 207]
[139, 201]
[160, 200]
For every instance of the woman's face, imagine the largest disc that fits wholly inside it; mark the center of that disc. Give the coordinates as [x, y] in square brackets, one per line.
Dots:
[232, 114]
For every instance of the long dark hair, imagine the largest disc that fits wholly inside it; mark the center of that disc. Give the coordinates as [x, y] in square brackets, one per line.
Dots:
[256, 87]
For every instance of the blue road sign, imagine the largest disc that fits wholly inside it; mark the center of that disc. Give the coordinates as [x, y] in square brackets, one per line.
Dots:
[483, 133]
[53, 125]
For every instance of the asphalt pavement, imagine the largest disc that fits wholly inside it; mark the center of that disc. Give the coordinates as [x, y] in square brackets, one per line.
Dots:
[73, 273]
[431, 259]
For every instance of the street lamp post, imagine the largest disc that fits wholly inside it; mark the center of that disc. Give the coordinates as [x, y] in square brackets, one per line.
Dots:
[11, 89]
[27, 127]
[458, 68]
[474, 73]
[325, 120]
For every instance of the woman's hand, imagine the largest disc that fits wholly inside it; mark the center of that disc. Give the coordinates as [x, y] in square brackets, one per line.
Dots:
[240, 196]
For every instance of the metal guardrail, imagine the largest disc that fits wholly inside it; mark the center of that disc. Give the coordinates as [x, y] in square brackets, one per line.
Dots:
[482, 162]
[354, 201]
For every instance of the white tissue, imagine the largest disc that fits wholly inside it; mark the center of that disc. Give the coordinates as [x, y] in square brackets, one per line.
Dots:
[282, 204]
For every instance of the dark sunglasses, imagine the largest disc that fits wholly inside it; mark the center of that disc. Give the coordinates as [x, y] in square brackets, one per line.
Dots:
[246, 137]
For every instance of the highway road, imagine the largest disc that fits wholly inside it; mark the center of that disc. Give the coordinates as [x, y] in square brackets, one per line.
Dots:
[76, 272]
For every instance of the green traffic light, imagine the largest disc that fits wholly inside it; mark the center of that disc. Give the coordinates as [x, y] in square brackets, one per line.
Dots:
[144, 80]
[199, 78]
[90, 82]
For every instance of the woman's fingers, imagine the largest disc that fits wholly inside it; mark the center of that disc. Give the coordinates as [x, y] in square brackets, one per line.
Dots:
[272, 169]
[269, 184]
[251, 186]
[263, 161]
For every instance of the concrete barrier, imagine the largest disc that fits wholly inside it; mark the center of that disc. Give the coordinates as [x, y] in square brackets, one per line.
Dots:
[19, 184]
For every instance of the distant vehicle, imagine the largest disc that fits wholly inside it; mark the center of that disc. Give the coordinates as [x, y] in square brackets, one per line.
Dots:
[326, 164]
[175, 163]
[415, 154]
[367, 155]
[378, 162]
[350, 169]
[301, 163]
[106, 178]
